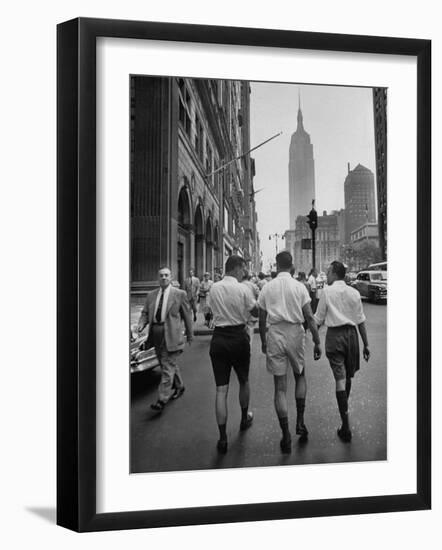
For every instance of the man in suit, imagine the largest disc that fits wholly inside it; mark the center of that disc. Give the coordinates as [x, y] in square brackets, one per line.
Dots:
[164, 310]
[192, 287]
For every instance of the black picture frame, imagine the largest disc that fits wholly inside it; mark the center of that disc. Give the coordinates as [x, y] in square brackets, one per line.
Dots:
[76, 274]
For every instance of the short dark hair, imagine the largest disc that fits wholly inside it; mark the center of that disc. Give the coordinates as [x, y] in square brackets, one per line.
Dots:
[261, 275]
[338, 268]
[284, 260]
[233, 262]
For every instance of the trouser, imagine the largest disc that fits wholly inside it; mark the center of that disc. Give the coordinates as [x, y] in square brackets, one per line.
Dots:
[171, 378]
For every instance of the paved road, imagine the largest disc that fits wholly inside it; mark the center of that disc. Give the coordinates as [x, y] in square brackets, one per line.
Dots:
[184, 436]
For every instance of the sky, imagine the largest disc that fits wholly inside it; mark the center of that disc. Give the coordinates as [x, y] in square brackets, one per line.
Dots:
[340, 123]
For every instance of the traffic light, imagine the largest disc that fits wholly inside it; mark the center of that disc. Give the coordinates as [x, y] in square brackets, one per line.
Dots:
[312, 219]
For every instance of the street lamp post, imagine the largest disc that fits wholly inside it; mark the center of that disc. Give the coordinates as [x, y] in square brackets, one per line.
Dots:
[276, 236]
[312, 220]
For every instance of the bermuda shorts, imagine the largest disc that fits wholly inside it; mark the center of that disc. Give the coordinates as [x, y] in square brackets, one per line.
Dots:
[230, 348]
[285, 347]
[342, 350]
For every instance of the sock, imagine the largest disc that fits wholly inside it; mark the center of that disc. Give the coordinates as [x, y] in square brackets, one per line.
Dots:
[300, 407]
[341, 398]
[222, 432]
[348, 387]
[244, 412]
[284, 423]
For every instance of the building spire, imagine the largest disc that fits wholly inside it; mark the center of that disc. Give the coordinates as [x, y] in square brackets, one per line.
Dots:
[300, 121]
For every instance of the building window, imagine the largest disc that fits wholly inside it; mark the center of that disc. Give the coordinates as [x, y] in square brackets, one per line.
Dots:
[199, 136]
[185, 107]
[209, 168]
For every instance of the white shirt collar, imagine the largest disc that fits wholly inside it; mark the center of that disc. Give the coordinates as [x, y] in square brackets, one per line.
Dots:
[230, 278]
[284, 274]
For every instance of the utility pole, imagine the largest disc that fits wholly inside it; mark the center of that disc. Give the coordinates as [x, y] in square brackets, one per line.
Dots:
[276, 236]
[312, 220]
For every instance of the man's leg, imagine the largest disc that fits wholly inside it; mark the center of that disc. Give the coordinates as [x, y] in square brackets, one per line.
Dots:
[300, 394]
[341, 397]
[281, 411]
[168, 372]
[348, 387]
[221, 416]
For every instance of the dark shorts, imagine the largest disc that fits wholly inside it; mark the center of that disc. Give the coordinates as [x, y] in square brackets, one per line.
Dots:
[342, 350]
[230, 347]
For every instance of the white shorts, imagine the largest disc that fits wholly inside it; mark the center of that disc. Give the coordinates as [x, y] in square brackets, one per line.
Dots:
[285, 346]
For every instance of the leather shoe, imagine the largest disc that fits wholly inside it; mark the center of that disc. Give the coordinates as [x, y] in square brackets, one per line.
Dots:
[301, 429]
[222, 446]
[158, 406]
[178, 392]
[286, 445]
[245, 424]
[344, 435]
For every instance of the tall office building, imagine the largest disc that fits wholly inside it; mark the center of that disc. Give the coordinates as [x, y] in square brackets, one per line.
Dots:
[380, 134]
[360, 204]
[301, 173]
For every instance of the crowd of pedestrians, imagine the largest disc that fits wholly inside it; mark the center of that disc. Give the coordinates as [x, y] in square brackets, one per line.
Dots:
[285, 308]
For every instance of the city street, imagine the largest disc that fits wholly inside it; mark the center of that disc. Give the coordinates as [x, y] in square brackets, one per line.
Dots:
[184, 436]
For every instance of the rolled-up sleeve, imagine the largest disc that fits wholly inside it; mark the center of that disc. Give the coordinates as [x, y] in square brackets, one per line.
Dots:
[321, 310]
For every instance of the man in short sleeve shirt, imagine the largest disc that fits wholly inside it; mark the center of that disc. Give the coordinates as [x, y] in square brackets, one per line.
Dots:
[231, 304]
[284, 304]
[340, 308]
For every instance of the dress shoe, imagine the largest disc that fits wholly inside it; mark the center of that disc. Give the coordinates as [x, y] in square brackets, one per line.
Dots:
[158, 406]
[301, 429]
[245, 424]
[286, 445]
[222, 446]
[344, 435]
[178, 392]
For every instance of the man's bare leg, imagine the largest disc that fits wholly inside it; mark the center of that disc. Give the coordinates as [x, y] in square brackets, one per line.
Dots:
[221, 416]
[281, 411]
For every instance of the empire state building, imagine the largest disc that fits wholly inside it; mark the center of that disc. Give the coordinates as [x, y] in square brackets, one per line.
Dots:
[301, 173]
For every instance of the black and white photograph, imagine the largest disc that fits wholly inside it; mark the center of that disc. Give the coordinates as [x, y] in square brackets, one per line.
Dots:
[258, 274]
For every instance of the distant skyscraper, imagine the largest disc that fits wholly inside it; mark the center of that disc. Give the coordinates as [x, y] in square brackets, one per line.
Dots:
[360, 206]
[301, 172]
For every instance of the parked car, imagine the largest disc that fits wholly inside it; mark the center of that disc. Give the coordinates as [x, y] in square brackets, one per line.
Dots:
[372, 285]
[141, 357]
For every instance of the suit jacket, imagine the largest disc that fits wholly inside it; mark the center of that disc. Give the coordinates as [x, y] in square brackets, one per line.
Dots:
[178, 310]
[192, 286]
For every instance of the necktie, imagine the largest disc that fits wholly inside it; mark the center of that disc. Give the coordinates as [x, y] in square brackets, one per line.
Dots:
[160, 307]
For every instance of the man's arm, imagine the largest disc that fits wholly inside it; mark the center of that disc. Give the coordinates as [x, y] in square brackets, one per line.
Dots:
[185, 313]
[308, 315]
[144, 317]
[321, 311]
[263, 328]
[363, 332]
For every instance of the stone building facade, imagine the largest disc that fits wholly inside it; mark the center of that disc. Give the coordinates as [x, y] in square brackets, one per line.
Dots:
[328, 241]
[380, 134]
[186, 212]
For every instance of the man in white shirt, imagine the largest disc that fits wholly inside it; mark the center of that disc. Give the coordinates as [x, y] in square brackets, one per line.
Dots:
[231, 304]
[284, 303]
[340, 308]
[164, 310]
[192, 287]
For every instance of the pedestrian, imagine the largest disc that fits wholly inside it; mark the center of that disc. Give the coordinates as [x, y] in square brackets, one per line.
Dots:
[313, 288]
[231, 304]
[261, 280]
[164, 310]
[340, 308]
[283, 304]
[254, 290]
[192, 286]
[303, 279]
[205, 286]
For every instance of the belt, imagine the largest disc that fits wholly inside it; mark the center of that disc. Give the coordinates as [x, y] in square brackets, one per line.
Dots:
[231, 327]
